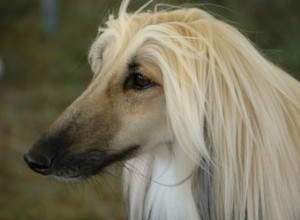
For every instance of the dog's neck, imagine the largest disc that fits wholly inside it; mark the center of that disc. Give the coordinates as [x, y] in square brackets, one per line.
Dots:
[158, 185]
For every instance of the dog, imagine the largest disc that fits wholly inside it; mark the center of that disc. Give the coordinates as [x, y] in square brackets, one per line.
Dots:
[204, 125]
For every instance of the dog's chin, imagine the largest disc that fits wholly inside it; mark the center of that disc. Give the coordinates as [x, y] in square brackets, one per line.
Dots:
[85, 165]
[82, 170]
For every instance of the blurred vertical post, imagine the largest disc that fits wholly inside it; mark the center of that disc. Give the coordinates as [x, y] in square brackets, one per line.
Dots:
[50, 15]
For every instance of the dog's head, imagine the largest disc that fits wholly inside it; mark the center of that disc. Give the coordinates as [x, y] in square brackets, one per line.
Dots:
[122, 113]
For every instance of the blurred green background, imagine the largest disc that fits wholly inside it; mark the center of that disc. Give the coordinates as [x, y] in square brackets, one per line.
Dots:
[44, 67]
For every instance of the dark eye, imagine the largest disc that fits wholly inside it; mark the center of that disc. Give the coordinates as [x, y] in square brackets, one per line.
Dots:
[138, 81]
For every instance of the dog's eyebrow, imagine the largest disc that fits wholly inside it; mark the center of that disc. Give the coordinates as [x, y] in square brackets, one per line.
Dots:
[133, 65]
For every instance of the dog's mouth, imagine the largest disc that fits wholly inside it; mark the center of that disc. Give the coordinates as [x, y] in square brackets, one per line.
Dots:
[77, 166]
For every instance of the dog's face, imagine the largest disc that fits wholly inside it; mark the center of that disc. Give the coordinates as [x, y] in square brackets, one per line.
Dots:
[121, 114]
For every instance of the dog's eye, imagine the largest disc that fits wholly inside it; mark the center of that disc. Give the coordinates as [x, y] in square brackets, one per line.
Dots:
[138, 81]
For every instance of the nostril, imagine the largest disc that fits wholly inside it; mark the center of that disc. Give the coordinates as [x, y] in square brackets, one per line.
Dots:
[38, 163]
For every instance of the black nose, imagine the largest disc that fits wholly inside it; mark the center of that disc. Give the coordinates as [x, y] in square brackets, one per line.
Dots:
[38, 163]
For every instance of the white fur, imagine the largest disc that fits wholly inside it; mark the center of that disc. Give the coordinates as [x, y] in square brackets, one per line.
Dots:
[169, 194]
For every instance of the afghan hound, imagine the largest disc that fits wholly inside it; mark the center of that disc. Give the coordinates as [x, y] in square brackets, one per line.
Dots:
[206, 127]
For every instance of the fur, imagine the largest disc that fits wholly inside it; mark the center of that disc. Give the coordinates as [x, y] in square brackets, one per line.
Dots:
[234, 119]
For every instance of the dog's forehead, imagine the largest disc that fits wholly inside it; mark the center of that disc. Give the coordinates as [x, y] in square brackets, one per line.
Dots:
[122, 36]
[116, 62]
[121, 40]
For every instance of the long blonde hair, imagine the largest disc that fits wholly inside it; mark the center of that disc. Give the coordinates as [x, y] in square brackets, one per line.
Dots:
[233, 113]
